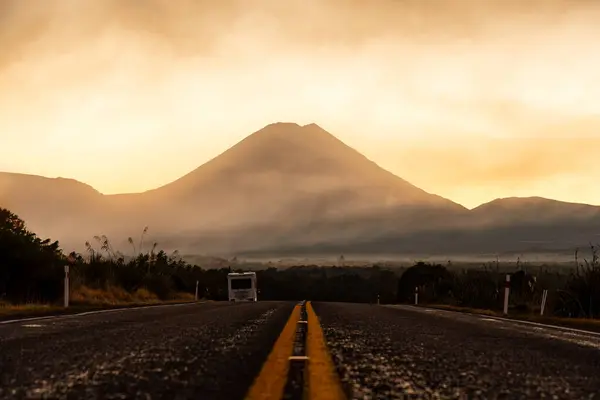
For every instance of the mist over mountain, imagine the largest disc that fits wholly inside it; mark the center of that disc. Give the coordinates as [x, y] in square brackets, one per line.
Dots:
[289, 188]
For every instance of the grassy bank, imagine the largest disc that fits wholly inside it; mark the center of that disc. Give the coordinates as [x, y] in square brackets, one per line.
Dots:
[587, 324]
[114, 295]
[90, 299]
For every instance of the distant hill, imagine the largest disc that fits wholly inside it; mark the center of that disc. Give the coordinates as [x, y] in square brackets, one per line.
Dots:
[289, 188]
[281, 171]
[511, 225]
[57, 207]
[533, 210]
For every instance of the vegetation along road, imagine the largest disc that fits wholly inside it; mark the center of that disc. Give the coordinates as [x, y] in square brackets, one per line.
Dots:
[266, 350]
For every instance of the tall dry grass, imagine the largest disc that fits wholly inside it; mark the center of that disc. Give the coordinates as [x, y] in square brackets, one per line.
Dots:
[117, 296]
[111, 295]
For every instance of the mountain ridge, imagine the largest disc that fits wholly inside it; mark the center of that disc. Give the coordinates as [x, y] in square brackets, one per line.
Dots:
[82, 183]
[298, 186]
[265, 145]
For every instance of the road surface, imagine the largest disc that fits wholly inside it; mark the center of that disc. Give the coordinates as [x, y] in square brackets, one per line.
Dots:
[387, 352]
[222, 350]
[199, 351]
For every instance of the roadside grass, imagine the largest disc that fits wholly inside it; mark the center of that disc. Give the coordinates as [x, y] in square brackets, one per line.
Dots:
[576, 323]
[31, 308]
[111, 295]
[84, 299]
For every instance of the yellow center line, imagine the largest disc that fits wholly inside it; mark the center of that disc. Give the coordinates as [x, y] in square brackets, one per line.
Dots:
[270, 382]
[323, 381]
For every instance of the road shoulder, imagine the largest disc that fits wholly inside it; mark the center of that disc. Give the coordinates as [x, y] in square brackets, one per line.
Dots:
[51, 312]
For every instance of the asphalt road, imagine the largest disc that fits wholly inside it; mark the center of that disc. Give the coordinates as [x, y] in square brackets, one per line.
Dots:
[201, 351]
[393, 352]
[215, 350]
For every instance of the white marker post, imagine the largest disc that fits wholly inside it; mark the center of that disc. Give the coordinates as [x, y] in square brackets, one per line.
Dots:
[544, 298]
[196, 297]
[416, 295]
[377, 299]
[506, 293]
[66, 286]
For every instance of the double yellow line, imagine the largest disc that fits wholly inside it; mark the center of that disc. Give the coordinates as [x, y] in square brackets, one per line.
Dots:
[321, 379]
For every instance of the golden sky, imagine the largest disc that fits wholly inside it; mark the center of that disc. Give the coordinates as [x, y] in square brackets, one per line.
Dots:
[469, 99]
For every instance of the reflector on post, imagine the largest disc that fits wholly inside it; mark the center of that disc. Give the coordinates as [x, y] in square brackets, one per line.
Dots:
[506, 293]
[66, 294]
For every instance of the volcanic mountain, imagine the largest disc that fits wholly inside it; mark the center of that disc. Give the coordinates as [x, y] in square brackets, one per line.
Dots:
[285, 186]
[291, 181]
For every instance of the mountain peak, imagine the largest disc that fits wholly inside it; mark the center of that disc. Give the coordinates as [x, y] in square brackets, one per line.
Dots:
[284, 161]
[284, 124]
[312, 125]
[291, 129]
[281, 125]
[287, 141]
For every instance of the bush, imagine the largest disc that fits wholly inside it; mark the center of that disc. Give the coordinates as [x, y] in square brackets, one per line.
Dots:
[161, 285]
[30, 268]
[433, 280]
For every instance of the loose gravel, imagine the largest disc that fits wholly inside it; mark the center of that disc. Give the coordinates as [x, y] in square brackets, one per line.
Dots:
[385, 353]
[208, 351]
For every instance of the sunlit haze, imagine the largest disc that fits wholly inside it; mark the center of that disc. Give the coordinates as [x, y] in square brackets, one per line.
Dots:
[468, 99]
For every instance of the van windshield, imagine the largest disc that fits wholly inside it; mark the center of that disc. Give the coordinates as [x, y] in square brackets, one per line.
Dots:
[241, 283]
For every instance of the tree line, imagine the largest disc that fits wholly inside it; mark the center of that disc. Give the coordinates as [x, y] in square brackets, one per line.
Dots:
[571, 293]
[32, 270]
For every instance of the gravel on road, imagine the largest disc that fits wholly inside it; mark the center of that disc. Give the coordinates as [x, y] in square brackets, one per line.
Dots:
[199, 351]
[398, 353]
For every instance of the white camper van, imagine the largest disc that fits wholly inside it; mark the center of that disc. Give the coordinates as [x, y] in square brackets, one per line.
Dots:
[242, 286]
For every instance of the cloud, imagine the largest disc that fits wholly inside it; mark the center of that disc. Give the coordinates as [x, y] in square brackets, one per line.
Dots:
[192, 26]
[186, 79]
[475, 170]
[481, 161]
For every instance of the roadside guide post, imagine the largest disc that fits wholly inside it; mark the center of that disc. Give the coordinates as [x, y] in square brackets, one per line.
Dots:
[196, 296]
[506, 293]
[377, 299]
[544, 298]
[66, 286]
[416, 295]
